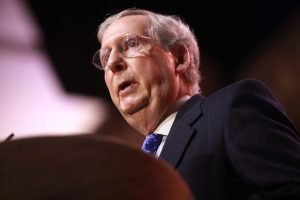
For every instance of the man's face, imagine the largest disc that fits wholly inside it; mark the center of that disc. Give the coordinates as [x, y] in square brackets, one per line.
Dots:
[143, 88]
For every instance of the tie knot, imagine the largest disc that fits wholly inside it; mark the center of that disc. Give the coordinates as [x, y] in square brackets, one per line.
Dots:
[151, 143]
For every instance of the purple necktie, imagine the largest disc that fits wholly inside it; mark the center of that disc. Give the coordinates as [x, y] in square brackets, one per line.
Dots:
[151, 143]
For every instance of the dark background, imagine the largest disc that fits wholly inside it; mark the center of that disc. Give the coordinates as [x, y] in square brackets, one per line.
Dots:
[228, 32]
[238, 39]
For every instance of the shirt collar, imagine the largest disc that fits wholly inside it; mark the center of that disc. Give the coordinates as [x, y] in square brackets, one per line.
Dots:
[165, 127]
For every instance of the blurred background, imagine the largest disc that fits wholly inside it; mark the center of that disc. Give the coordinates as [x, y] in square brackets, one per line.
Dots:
[48, 85]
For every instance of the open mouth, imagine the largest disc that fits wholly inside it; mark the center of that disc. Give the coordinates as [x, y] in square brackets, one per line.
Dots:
[124, 85]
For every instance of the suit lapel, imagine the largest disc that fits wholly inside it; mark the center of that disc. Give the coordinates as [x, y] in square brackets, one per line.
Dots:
[182, 131]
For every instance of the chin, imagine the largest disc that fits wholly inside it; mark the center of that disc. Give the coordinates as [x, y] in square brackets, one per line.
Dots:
[135, 108]
[142, 121]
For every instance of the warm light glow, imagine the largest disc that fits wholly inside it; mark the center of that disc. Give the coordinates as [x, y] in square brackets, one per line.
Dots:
[32, 100]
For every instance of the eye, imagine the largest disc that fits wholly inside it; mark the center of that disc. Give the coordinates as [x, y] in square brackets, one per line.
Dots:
[129, 43]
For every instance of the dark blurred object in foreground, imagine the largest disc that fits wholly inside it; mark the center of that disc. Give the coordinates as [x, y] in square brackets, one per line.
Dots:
[84, 167]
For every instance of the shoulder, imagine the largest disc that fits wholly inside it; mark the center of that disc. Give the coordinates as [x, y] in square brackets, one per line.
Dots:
[246, 85]
[245, 88]
[246, 92]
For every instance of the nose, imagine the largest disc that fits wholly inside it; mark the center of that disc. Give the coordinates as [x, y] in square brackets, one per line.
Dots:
[116, 61]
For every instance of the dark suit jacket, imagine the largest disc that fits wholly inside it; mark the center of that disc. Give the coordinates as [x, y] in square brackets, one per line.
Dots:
[236, 144]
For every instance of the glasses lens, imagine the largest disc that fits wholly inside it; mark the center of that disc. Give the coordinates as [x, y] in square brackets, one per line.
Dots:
[129, 46]
[104, 56]
[96, 60]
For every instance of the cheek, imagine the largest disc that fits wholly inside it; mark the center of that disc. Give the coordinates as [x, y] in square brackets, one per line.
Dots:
[165, 76]
[167, 80]
[108, 82]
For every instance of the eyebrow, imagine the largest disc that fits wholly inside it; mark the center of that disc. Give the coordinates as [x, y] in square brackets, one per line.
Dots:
[114, 41]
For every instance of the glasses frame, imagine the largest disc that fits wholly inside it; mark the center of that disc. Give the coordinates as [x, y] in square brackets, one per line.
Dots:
[96, 61]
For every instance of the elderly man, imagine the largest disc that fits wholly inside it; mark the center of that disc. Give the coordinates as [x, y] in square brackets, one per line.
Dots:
[234, 144]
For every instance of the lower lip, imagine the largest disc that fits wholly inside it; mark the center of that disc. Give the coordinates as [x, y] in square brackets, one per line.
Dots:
[128, 89]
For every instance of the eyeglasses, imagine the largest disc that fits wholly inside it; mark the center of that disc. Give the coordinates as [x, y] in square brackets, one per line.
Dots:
[128, 45]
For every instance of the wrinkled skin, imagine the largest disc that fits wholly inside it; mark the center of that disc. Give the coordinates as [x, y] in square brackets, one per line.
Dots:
[144, 88]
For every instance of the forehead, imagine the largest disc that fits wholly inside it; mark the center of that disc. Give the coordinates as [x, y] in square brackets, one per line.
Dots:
[134, 24]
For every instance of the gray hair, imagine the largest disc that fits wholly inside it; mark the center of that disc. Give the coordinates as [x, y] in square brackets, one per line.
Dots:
[170, 31]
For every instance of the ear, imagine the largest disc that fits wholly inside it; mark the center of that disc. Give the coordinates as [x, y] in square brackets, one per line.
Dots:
[182, 58]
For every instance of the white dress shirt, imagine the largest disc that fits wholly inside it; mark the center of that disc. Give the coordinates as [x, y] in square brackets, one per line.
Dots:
[165, 127]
